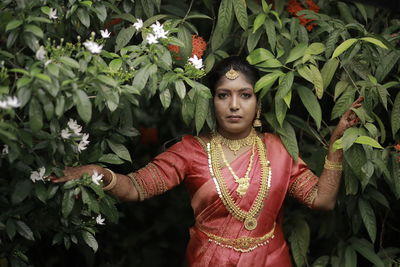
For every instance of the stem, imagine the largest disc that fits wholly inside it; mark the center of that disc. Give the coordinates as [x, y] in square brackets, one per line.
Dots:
[188, 11]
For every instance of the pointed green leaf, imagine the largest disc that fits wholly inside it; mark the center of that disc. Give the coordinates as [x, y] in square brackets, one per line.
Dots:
[315, 49]
[259, 21]
[111, 158]
[201, 112]
[374, 41]
[180, 89]
[13, 24]
[34, 29]
[350, 257]
[343, 103]
[317, 81]
[343, 47]
[90, 240]
[366, 249]
[296, 52]
[366, 140]
[311, 103]
[271, 32]
[340, 88]
[83, 105]
[240, 9]
[395, 116]
[299, 240]
[67, 203]
[328, 70]
[70, 62]
[165, 98]
[267, 81]
[35, 115]
[24, 230]
[259, 55]
[368, 217]
[84, 17]
[120, 150]
[123, 37]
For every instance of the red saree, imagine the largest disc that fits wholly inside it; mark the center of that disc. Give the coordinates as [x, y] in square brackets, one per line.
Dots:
[218, 238]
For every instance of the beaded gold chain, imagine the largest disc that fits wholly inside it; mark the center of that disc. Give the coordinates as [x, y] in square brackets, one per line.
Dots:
[235, 144]
[248, 217]
[244, 182]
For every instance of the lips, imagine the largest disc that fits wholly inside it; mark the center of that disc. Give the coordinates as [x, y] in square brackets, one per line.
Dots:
[234, 118]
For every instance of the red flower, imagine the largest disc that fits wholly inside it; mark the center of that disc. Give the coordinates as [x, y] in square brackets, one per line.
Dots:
[112, 22]
[397, 147]
[294, 6]
[198, 47]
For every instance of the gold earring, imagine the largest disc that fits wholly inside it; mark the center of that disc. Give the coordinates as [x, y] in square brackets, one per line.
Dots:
[257, 121]
[232, 74]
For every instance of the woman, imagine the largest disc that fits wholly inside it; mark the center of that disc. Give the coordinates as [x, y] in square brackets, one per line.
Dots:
[237, 178]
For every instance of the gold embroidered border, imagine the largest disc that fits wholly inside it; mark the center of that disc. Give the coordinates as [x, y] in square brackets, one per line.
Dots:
[309, 200]
[158, 179]
[300, 181]
[201, 141]
[241, 244]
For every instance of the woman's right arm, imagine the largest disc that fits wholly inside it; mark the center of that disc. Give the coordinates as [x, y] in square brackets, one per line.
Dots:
[123, 189]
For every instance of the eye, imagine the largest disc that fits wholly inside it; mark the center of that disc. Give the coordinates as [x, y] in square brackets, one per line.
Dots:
[222, 95]
[246, 95]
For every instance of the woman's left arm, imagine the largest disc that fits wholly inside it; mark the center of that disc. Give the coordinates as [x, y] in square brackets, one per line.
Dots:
[329, 180]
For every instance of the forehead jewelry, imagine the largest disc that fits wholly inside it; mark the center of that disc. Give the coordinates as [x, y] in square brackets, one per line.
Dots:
[231, 74]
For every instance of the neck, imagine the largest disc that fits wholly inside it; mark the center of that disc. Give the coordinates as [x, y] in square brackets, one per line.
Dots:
[234, 136]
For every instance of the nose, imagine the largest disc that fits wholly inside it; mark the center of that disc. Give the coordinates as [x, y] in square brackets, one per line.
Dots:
[234, 104]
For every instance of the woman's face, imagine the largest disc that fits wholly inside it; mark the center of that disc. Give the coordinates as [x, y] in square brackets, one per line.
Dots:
[235, 107]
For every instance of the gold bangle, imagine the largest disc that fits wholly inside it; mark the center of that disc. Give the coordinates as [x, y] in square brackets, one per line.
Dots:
[332, 165]
[113, 181]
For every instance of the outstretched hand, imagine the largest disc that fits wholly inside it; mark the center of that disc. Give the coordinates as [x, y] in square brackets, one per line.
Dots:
[72, 173]
[348, 119]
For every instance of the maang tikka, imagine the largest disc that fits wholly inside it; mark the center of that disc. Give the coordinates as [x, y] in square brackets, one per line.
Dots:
[232, 74]
[257, 121]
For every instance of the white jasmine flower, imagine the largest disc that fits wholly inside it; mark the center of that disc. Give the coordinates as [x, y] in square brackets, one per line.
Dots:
[5, 150]
[157, 27]
[96, 177]
[100, 220]
[196, 62]
[83, 143]
[47, 62]
[53, 13]
[65, 133]
[93, 47]
[105, 34]
[13, 102]
[74, 126]
[151, 39]
[138, 24]
[38, 175]
[41, 53]
[161, 34]
[3, 104]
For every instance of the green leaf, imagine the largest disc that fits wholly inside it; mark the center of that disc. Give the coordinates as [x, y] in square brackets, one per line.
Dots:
[34, 29]
[84, 17]
[68, 203]
[90, 240]
[224, 14]
[89, 200]
[21, 191]
[123, 37]
[267, 81]
[83, 105]
[289, 140]
[311, 103]
[328, 70]
[366, 140]
[340, 88]
[43, 77]
[316, 78]
[366, 249]
[343, 103]
[343, 47]
[115, 64]
[368, 217]
[285, 84]
[35, 115]
[280, 110]
[41, 192]
[70, 62]
[107, 80]
[259, 55]
[165, 98]
[240, 9]
[349, 137]
[259, 21]
[297, 52]
[180, 89]
[350, 257]
[202, 105]
[299, 240]
[187, 110]
[24, 230]
[141, 77]
[374, 41]
[13, 24]
[120, 150]
[363, 12]
[386, 64]
[315, 49]
[271, 33]
[252, 40]
[111, 158]
[395, 116]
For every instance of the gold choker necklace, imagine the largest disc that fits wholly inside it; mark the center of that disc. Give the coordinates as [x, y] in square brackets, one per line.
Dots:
[235, 144]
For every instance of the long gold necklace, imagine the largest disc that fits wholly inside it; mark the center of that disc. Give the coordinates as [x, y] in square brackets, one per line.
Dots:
[236, 144]
[248, 217]
[243, 182]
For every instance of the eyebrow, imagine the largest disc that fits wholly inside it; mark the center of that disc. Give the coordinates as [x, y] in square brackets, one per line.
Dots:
[240, 90]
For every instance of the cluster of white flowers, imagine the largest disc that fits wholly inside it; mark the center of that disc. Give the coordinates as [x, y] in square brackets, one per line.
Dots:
[100, 220]
[196, 62]
[38, 175]
[93, 47]
[105, 34]
[41, 53]
[53, 13]
[138, 24]
[158, 33]
[4, 151]
[10, 102]
[74, 129]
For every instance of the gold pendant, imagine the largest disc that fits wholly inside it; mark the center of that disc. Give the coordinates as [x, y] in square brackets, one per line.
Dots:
[250, 223]
[244, 184]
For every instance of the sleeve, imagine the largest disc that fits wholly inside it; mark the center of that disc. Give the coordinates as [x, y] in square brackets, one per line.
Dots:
[303, 183]
[163, 173]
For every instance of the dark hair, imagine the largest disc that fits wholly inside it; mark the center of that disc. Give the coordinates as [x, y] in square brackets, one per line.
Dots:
[235, 62]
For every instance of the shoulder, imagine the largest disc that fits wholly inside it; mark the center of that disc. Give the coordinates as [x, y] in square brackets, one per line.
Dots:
[273, 141]
[182, 143]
